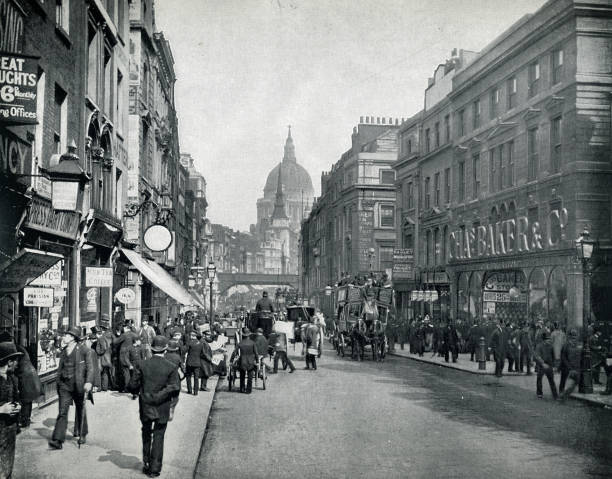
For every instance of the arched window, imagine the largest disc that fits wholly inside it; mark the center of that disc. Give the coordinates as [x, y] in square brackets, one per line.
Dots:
[503, 212]
[557, 297]
[493, 217]
[475, 301]
[538, 299]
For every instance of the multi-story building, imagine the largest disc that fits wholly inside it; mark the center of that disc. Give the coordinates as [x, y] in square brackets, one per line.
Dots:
[424, 191]
[351, 227]
[157, 182]
[60, 271]
[531, 168]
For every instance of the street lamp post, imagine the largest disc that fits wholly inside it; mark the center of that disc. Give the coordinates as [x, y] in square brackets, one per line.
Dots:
[211, 271]
[584, 251]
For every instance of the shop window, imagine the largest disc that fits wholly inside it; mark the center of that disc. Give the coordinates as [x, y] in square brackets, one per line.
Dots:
[385, 255]
[538, 298]
[557, 297]
[463, 306]
[475, 301]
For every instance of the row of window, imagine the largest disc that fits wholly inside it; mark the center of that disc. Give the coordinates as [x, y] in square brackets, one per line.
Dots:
[511, 86]
[441, 134]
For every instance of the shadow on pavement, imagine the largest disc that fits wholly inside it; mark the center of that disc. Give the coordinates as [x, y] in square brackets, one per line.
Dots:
[121, 461]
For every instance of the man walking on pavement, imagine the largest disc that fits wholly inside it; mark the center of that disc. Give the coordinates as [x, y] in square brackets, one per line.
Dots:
[156, 381]
[75, 378]
[545, 362]
[526, 348]
[312, 345]
[193, 363]
[147, 333]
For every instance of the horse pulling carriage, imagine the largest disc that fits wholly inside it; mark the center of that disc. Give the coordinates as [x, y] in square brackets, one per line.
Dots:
[362, 321]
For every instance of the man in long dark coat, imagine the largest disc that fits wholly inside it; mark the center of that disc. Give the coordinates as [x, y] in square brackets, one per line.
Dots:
[156, 381]
[75, 376]
[248, 361]
[498, 346]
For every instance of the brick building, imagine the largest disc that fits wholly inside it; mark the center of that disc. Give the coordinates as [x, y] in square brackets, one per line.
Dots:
[530, 169]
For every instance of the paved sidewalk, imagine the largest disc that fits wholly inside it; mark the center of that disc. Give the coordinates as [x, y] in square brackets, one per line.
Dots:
[518, 379]
[114, 446]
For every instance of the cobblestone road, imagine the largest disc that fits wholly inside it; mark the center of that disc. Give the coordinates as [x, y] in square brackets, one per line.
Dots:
[401, 418]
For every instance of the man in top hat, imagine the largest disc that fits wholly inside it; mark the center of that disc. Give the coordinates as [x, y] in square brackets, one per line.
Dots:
[157, 383]
[104, 349]
[75, 376]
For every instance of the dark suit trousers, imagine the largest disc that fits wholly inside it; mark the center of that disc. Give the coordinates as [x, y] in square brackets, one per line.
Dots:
[67, 394]
[106, 378]
[126, 373]
[551, 381]
[282, 355]
[249, 384]
[311, 361]
[525, 359]
[196, 373]
[153, 443]
[499, 363]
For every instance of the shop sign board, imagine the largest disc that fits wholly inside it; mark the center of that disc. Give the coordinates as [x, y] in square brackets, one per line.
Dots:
[515, 235]
[38, 297]
[12, 22]
[125, 295]
[503, 297]
[51, 277]
[97, 277]
[18, 85]
[15, 154]
[403, 263]
[43, 217]
[92, 300]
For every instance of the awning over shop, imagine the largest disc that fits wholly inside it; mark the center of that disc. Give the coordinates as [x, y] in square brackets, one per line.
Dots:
[27, 265]
[161, 278]
[199, 298]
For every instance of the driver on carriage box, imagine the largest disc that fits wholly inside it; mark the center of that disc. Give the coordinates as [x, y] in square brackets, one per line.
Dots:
[264, 304]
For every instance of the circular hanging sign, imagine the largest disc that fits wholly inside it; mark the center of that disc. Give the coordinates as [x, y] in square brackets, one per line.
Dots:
[157, 238]
[125, 295]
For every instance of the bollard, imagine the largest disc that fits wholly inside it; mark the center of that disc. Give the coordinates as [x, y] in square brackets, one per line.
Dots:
[482, 357]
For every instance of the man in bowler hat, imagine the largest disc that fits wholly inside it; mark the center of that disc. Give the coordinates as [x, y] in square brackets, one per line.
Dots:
[75, 378]
[157, 383]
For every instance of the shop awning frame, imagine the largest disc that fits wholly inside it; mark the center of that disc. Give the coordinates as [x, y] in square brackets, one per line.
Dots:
[161, 278]
[23, 268]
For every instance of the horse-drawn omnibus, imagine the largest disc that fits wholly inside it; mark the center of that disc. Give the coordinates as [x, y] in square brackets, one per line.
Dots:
[362, 316]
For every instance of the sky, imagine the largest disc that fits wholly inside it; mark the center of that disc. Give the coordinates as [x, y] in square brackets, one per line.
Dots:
[248, 68]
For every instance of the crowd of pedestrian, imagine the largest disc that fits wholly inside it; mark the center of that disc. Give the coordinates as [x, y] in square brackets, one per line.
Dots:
[142, 362]
[543, 346]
